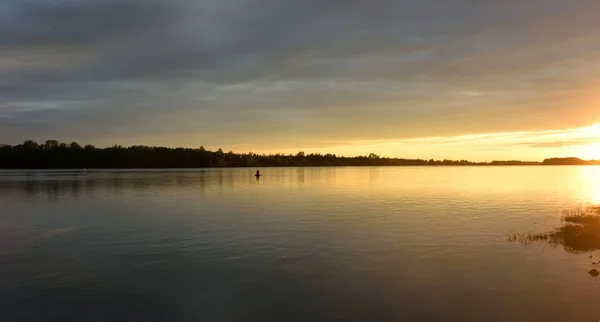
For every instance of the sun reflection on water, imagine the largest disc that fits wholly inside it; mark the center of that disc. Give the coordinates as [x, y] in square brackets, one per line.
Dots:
[591, 186]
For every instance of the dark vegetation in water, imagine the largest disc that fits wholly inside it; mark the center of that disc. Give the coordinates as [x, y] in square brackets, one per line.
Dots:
[55, 155]
[579, 232]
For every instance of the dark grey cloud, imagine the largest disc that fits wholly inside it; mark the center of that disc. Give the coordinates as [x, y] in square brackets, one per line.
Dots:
[236, 70]
[35, 24]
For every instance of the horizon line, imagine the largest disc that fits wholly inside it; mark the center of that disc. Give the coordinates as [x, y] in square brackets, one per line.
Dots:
[57, 144]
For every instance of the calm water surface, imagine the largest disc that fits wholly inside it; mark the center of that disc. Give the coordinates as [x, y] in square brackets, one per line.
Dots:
[300, 244]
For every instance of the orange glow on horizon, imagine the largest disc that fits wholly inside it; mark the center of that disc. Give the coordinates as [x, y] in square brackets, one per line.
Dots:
[583, 142]
[592, 151]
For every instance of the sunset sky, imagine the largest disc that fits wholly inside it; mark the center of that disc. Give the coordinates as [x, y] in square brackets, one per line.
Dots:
[456, 79]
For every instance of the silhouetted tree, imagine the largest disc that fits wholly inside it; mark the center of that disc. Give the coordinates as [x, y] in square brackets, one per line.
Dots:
[29, 144]
[74, 146]
[51, 144]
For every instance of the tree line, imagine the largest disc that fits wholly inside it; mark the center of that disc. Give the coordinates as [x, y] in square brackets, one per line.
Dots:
[56, 155]
[570, 161]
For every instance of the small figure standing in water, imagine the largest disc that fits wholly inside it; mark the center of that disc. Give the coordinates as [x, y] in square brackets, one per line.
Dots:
[257, 173]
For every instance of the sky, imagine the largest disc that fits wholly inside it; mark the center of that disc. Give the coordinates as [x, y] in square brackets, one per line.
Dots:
[459, 79]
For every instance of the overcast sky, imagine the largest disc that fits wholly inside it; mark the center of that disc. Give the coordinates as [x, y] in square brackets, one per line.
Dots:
[349, 76]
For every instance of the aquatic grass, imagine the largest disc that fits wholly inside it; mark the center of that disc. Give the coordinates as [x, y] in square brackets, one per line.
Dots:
[588, 215]
[579, 231]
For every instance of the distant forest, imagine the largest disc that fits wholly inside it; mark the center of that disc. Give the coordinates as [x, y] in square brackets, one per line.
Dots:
[55, 155]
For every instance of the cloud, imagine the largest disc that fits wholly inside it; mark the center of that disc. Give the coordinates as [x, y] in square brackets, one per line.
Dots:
[34, 24]
[534, 139]
[535, 145]
[292, 72]
[559, 144]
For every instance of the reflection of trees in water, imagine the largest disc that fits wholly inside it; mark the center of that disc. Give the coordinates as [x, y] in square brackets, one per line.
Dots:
[52, 189]
[55, 185]
[322, 175]
[118, 182]
[579, 232]
[301, 176]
